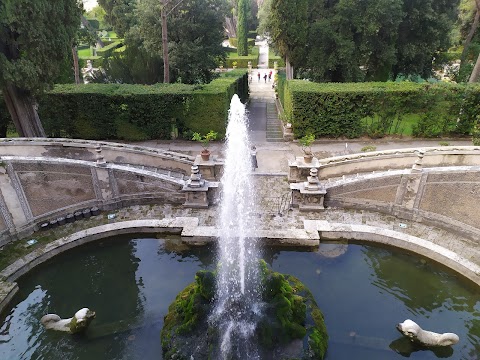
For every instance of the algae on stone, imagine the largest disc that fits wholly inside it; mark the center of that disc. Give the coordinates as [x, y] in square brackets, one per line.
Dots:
[291, 326]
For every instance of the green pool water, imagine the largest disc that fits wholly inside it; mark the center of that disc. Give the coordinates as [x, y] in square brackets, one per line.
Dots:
[364, 291]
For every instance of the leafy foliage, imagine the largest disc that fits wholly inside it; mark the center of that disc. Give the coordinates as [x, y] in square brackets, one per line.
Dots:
[336, 110]
[139, 112]
[205, 139]
[242, 27]
[33, 42]
[352, 41]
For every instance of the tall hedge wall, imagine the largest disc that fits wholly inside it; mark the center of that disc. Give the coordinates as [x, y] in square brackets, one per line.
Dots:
[139, 112]
[334, 110]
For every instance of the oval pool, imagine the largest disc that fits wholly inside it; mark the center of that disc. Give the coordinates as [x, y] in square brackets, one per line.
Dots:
[364, 291]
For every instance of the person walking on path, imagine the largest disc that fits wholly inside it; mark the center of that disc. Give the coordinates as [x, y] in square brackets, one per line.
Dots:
[258, 76]
[253, 157]
[270, 75]
[265, 77]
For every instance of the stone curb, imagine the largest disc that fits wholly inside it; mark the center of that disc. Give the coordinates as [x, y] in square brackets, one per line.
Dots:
[188, 227]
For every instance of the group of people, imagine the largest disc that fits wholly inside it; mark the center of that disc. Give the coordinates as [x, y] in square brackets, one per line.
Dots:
[269, 76]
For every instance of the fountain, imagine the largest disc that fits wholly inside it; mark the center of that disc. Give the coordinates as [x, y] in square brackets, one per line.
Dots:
[242, 310]
[231, 305]
[237, 301]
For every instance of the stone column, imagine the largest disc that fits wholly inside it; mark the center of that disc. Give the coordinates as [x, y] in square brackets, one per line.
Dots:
[417, 167]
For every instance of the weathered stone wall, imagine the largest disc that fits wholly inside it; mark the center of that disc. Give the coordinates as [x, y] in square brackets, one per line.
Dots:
[49, 187]
[454, 195]
[38, 189]
[89, 151]
[444, 197]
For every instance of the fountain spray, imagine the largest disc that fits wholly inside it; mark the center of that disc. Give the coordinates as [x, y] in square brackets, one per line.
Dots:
[238, 298]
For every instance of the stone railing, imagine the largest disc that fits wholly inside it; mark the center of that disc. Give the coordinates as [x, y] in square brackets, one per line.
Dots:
[89, 150]
[352, 164]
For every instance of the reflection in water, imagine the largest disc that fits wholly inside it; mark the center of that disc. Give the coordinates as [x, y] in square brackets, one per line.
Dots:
[431, 294]
[405, 347]
[363, 291]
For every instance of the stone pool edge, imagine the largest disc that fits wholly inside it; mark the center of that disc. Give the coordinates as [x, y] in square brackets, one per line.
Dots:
[193, 234]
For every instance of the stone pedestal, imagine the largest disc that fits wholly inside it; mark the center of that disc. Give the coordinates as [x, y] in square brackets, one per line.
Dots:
[309, 195]
[288, 132]
[299, 169]
[210, 169]
[196, 190]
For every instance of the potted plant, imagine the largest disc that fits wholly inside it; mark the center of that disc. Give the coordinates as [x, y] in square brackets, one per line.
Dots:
[205, 141]
[306, 143]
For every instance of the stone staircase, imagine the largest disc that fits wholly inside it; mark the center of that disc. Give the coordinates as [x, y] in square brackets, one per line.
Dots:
[274, 125]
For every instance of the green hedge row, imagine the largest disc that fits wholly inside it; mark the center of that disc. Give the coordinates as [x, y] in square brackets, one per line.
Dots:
[272, 57]
[242, 61]
[234, 42]
[138, 112]
[378, 109]
[108, 49]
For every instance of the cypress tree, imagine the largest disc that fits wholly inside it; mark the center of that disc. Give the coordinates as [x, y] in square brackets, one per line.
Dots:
[242, 28]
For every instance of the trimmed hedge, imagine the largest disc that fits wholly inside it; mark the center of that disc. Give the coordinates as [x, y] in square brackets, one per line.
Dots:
[242, 61]
[272, 57]
[234, 42]
[139, 112]
[108, 49]
[356, 109]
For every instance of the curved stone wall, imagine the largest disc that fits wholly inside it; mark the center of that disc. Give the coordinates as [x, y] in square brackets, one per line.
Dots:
[37, 189]
[445, 197]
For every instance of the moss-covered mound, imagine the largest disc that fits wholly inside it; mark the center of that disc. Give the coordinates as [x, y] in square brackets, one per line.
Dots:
[291, 326]
[291, 313]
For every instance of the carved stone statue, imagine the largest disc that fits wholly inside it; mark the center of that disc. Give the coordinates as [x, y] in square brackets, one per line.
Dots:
[78, 323]
[422, 337]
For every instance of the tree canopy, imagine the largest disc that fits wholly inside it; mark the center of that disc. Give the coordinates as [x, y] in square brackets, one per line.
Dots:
[350, 40]
[195, 34]
[35, 39]
[33, 42]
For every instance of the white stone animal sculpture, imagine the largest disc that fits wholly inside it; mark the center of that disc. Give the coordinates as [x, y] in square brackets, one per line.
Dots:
[417, 335]
[78, 323]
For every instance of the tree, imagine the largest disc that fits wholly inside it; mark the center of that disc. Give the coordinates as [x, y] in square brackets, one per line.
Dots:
[33, 43]
[288, 26]
[242, 28]
[423, 34]
[471, 33]
[120, 14]
[351, 40]
[134, 65]
[195, 34]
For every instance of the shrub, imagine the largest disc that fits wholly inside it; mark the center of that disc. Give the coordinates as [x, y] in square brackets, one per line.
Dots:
[234, 42]
[139, 112]
[108, 50]
[368, 148]
[377, 109]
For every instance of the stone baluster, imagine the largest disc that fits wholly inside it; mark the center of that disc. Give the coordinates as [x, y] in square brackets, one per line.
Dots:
[417, 167]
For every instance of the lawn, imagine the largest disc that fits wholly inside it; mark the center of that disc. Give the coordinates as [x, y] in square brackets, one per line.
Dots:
[401, 126]
[85, 52]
